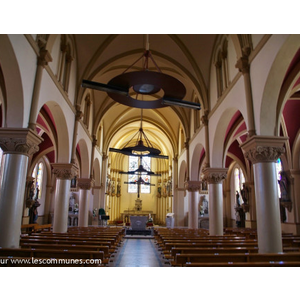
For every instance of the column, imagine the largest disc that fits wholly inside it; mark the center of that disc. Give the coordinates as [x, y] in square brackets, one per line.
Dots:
[214, 178]
[295, 174]
[85, 185]
[193, 188]
[78, 116]
[244, 67]
[18, 145]
[263, 152]
[204, 120]
[103, 182]
[64, 173]
[43, 60]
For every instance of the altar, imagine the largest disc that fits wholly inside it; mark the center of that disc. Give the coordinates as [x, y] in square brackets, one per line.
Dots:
[128, 213]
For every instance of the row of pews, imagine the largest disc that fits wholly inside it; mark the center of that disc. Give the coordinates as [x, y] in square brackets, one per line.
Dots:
[236, 248]
[80, 246]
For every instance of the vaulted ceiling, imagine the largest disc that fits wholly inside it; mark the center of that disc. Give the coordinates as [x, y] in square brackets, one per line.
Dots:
[186, 57]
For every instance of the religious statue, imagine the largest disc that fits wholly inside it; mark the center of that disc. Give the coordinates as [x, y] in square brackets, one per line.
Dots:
[245, 194]
[159, 190]
[283, 184]
[237, 196]
[33, 212]
[113, 188]
[118, 189]
[169, 187]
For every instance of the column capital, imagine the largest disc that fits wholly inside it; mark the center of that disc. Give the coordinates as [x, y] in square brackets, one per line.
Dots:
[85, 183]
[214, 175]
[65, 171]
[192, 186]
[263, 148]
[19, 141]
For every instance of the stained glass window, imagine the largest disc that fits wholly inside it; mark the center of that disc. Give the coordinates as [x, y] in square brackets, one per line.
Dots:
[38, 175]
[133, 165]
[239, 179]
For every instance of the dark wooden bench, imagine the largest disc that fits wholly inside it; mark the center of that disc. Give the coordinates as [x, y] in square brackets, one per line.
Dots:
[246, 264]
[183, 259]
[58, 241]
[169, 246]
[77, 247]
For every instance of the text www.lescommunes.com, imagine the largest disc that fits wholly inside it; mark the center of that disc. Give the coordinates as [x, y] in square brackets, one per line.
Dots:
[49, 261]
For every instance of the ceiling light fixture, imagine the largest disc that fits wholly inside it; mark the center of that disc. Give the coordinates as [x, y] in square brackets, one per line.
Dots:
[144, 82]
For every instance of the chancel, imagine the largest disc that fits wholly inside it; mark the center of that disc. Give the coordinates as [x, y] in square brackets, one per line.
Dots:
[186, 146]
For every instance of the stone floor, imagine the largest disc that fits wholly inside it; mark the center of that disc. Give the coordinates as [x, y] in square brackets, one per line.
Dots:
[137, 251]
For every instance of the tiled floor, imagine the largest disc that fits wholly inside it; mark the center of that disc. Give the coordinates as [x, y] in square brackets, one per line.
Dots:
[138, 252]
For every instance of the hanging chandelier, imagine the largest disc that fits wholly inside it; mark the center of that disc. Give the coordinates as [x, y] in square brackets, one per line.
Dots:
[144, 82]
[141, 147]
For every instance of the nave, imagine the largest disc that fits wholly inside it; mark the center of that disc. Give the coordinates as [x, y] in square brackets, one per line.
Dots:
[167, 247]
[138, 252]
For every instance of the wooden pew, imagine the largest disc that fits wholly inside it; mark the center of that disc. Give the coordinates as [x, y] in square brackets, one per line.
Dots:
[41, 228]
[220, 244]
[183, 259]
[58, 241]
[27, 228]
[77, 247]
[246, 264]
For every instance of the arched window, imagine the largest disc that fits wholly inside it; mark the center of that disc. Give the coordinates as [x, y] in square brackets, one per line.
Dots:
[133, 165]
[239, 179]
[38, 175]
[65, 63]
[278, 172]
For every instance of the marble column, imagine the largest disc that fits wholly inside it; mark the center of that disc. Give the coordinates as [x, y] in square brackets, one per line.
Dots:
[193, 188]
[214, 178]
[64, 173]
[17, 145]
[85, 185]
[263, 151]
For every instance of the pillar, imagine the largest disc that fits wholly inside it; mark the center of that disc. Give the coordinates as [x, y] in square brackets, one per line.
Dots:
[43, 59]
[295, 174]
[103, 181]
[85, 185]
[17, 145]
[193, 188]
[204, 120]
[78, 116]
[263, 151]
[214, 178]
[64, 173]
[244, 67]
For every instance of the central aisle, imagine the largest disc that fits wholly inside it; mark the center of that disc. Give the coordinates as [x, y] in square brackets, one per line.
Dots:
[138, 253]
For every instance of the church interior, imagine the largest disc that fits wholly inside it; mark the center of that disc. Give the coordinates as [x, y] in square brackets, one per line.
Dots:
[162, 150]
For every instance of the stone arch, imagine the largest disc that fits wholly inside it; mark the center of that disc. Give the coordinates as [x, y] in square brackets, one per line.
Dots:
[268, 120]
[11, 86]
[59, 121]
[195, 162]
[97, 172]
[84, 159]
[217, 146]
